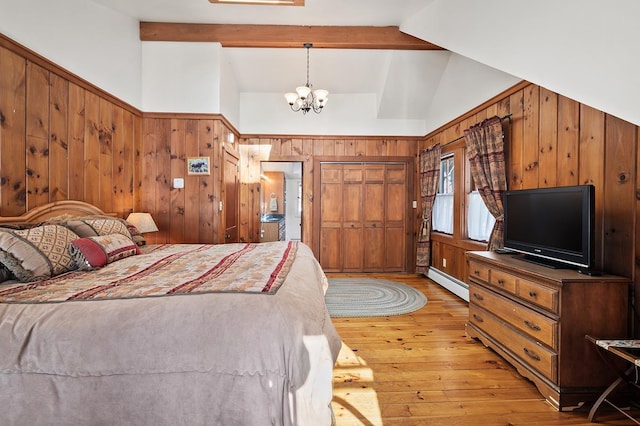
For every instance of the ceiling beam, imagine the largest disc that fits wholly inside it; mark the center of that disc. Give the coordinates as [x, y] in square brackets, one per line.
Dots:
[234, 35]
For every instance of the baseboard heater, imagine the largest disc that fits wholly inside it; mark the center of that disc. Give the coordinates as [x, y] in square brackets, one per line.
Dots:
[452, 284]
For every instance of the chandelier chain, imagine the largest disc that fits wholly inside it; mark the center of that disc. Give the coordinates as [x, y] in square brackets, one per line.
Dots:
[307, 66]
[307, 100]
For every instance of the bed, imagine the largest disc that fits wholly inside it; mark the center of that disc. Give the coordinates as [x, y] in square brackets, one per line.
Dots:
[180, 334]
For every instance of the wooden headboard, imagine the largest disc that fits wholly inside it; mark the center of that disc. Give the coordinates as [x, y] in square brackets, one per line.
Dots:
[57, 208]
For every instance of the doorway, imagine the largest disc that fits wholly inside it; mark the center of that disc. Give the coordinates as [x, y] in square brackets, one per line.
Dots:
[280, 200]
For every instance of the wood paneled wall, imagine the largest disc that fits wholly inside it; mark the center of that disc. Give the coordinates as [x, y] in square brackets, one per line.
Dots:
[190, 214]
[555, 141]
[254, 149]
[61, 138]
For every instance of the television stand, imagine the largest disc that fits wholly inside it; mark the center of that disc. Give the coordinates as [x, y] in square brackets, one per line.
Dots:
[590, 272]
[541, 261]
[536, 318]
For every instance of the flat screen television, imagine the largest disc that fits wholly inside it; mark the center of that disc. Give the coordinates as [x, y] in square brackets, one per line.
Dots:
[552, 226]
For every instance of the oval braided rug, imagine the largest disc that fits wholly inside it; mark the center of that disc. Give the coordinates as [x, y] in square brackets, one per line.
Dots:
[369, 297]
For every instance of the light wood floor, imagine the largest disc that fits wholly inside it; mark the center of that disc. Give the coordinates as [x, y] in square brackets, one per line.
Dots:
[421, 369]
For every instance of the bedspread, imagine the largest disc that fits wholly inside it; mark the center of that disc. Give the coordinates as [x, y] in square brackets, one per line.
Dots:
[212, 358]
[169, 269]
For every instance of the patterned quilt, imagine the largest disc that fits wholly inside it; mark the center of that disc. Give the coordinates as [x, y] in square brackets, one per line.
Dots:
[168, 270]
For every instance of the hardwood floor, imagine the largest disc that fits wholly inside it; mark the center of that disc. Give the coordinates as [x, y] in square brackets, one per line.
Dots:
[421, 369]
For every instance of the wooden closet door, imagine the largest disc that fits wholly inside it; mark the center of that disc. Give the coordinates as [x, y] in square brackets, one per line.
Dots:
[395, 208]
[373, 218]
[352, 226]
[331, 217]
[363, 217]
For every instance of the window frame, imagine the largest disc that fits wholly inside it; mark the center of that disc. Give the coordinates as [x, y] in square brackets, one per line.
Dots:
[463, 185]
[447, 173]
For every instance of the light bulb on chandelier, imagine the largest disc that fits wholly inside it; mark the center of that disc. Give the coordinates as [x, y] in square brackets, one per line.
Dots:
[305, 98]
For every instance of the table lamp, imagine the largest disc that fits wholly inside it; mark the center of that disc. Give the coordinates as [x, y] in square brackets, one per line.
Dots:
[143, 221]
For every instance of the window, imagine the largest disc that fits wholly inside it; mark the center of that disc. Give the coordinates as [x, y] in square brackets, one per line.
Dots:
[262, 2]
[479, 221]
[442, 216]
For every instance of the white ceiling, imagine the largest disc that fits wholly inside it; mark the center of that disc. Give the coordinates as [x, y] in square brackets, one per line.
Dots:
[404, 82]
[314, 12]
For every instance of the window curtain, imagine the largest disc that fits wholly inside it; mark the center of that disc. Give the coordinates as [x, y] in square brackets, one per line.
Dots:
[485, 150]
[429, 174]
[479, 220]
[442, 214]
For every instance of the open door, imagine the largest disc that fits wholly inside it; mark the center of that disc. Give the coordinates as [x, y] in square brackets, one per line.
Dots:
[280, 200]
[230, 201]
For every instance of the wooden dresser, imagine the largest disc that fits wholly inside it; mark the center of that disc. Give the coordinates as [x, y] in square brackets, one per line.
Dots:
[537, 318]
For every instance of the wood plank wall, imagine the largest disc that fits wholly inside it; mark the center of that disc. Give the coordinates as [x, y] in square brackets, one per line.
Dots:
[555, 141]
[62, 138]
[190, 214]
[254, 149]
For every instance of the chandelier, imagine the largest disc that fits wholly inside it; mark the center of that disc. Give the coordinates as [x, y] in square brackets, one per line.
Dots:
[306, 99]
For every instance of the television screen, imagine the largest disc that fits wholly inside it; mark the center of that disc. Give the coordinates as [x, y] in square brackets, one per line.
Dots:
[553, 226]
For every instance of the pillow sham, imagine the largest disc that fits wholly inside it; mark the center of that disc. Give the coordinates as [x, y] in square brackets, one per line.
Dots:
[37, 253]
[92, 226]
[5, 274]
[95, 252]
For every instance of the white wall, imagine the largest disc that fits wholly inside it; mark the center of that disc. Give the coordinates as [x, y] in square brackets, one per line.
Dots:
[353, 114]
[586, 50]
[181, 77]
[293, 222]
[464, 85]
[229, 92]
[98, 44]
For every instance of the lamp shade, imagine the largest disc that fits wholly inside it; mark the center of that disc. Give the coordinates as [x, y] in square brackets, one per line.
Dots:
[321, 95]
[143, 221]
[303, 92]
[291, 98]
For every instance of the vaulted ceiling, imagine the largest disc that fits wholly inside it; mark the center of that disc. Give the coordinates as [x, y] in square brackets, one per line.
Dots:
[358, 47]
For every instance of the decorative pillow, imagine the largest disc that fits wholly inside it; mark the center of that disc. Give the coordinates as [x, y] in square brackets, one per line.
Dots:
[92, 226]
[36, 253]
[5, 274]
[136, 236]
[95, 252]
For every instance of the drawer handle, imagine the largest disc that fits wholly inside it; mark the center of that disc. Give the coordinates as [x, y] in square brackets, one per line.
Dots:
[478, 296]
[477, 318]
[476, 272]
[501, 282]
[533, 294]
[531, 354]
[532, 325]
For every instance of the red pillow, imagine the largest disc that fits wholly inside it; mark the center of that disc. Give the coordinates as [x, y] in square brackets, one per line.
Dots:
[95, 252]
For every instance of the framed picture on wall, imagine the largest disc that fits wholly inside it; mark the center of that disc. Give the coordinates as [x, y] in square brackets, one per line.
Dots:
[198, 166]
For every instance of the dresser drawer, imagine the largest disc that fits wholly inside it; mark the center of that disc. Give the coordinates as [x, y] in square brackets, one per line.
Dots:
[537, 294]
[503, 280]
[479, 271]
[538, 357]
[538, 326]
